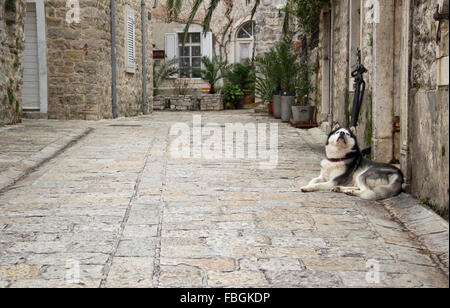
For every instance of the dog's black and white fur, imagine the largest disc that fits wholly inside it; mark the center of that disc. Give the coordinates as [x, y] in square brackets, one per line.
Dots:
[346, 170]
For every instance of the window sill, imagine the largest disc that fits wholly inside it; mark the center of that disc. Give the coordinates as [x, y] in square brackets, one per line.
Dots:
[130, 70]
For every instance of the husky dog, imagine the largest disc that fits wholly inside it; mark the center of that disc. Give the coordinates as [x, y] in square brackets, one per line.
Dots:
[346, 170]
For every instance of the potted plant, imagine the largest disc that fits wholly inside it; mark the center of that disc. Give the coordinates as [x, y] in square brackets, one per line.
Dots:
[166, 70]
[232, 95]
[211, 72]
[302, 112]
[243, 76]
[268, 80]
[264, 81]
[290, 68]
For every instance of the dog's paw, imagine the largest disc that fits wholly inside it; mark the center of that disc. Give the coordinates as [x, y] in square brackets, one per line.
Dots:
[306, 189]
[336, 189]
[349, 192]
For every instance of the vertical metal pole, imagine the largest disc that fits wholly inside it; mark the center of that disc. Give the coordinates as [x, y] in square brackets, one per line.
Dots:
[331, 94]
[113, 60]
[144, 60]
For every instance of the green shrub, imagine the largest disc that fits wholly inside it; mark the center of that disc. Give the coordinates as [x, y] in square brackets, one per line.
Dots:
[242, 75]
[232, 93]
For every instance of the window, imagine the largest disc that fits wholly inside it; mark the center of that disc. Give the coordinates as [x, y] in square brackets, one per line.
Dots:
[130, 41]
[245, 41]
[196, 47]
[246, 31]
[190, 55]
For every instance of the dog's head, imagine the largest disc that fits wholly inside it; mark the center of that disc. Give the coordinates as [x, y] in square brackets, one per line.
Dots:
[341, 141]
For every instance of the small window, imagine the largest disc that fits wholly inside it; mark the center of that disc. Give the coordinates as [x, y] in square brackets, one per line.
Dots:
[190, 55]
[130, 41]
[246, 31]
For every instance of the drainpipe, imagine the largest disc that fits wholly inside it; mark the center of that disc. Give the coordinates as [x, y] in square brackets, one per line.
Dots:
[331, 94]
[113, 60]
[144, 62]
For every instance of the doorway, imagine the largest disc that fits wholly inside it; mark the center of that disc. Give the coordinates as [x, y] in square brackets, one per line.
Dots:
[34, 89]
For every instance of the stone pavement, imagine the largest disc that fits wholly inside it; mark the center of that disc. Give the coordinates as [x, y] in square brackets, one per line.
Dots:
[117, 210]
[25, 146]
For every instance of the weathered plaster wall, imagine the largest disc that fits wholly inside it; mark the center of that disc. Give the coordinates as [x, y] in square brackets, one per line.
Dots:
[12, 18]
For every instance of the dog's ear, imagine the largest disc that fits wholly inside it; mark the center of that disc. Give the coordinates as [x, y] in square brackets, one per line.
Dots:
[353, 130]
[336, 127]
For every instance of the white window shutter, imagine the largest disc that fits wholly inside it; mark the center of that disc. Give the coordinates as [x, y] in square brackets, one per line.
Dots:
[130, 41]
[207, 45]
[171, 47]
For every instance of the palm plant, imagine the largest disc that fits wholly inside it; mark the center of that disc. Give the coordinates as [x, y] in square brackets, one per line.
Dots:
[288, 65]
[267, 79]
[174, 7]
[242, 75]
[211, 72]
[167, 69]
[304, 84]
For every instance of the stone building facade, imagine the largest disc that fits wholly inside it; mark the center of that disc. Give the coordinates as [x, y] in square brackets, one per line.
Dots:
[405, 110]
[12, 18]
[228, 19]
[76, 71]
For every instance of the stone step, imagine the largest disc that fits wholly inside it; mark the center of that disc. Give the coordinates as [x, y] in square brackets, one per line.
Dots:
[35, 115]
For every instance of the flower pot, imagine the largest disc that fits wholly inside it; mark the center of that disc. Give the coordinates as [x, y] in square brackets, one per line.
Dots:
[230, 106]
[303, 114]
[270, 108]
[248, 99]
[287, 101]
[277, 106]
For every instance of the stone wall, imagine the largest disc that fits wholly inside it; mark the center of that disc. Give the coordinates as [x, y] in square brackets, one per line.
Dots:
[204, 102]
[159, 102]
[340, 56]
[78, 66]
[210, 102]
[129, 85]
[79, 61]
[429, 115]
[12, 15]
[429, 148]
[269, 25]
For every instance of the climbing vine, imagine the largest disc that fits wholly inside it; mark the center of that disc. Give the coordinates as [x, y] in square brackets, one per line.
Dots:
[10, 6]
[306, 14]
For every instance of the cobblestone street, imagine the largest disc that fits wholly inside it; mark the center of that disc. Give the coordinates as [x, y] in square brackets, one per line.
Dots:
[115, 209]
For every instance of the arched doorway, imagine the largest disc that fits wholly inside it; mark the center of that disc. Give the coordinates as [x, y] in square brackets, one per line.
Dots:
[245, 41]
